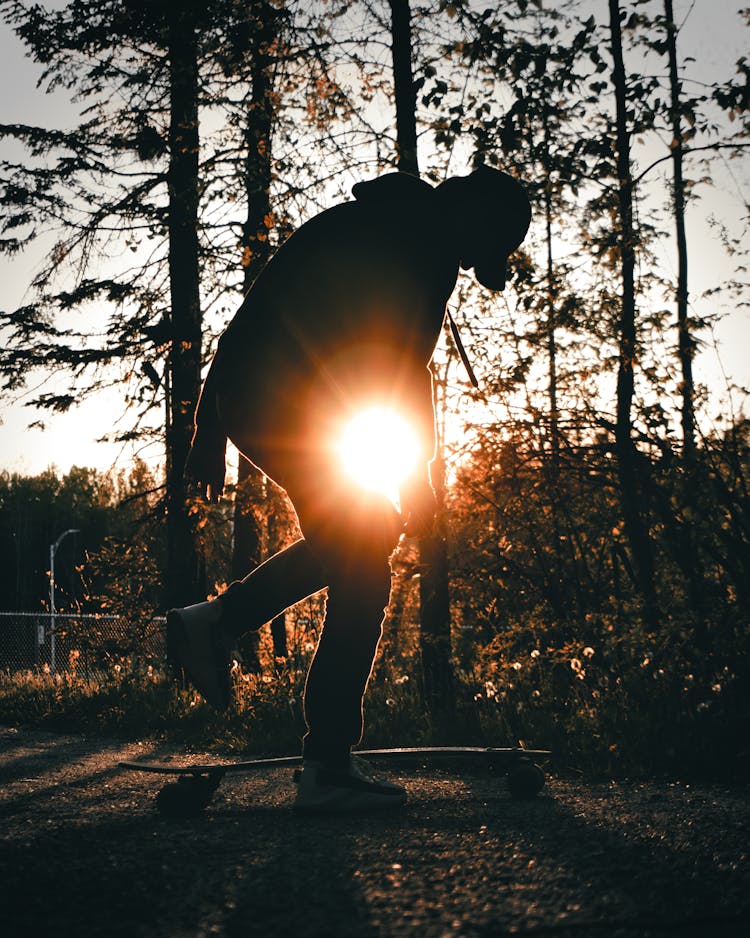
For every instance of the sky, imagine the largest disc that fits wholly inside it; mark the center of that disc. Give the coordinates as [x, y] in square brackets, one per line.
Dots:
[712, 35]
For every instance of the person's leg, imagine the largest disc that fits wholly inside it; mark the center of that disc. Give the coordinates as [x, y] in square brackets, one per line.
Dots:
[200, 637]
[288, 577]
[343, 660]
[348, 538]
[354, 545]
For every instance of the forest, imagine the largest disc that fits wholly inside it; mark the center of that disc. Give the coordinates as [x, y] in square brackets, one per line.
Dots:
[588, 585]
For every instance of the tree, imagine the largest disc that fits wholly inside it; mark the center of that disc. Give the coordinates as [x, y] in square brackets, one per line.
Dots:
[103, 194]
[434, 617]
[627, 456]
[185, 575]
[35, 510]
[685, 342]
[160, 58]
[536, 129]
[404, 88]
[264, 28]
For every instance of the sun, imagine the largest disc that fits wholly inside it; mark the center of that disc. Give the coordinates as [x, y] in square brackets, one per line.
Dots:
[378, 450]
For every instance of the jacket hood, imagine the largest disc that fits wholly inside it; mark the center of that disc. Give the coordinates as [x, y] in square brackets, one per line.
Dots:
[393, 187]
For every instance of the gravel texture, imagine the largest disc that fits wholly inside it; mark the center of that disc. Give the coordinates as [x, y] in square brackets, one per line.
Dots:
[83, 852]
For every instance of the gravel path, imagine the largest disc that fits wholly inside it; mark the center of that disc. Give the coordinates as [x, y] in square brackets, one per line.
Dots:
[83, 852]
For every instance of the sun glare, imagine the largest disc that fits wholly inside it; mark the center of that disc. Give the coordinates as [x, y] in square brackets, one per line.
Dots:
[378, 449]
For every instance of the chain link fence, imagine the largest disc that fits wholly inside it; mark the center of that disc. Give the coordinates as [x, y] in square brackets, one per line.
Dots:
[85, 644]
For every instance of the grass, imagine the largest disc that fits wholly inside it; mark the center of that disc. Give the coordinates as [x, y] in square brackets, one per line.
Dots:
[642, 722]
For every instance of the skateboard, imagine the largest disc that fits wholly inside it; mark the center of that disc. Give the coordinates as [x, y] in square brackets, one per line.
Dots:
[196, 784]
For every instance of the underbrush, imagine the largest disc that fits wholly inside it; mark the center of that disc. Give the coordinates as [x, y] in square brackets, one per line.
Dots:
[137, 703]
[618, 707]
[603, 712]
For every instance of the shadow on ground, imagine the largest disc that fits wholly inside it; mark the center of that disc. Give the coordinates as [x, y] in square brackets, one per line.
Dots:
[83, 852]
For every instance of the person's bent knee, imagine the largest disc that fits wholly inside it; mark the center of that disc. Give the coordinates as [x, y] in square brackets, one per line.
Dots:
[365, 584]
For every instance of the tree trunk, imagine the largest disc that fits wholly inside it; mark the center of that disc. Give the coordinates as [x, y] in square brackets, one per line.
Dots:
[685, 344]
[684, 542]
[554, 416]
[434, 598]
[279, 637]
[185, 574]
[434, 608]
[247, 544]
[627, 457]
[403, 86]
[247, 550]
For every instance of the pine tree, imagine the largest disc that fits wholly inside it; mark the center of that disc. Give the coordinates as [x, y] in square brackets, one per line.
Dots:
[264, 27]
[685, 342]
[434, 614]
[126, 177]
[627, 456]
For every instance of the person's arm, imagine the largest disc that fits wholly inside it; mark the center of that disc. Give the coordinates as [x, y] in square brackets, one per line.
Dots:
[206, 462]
[417, 497]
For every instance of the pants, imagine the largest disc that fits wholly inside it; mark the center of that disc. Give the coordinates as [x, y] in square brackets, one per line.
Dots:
[348, 537]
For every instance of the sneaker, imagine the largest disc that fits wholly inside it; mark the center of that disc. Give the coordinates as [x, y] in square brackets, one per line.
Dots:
[325, 790]
[198, 650]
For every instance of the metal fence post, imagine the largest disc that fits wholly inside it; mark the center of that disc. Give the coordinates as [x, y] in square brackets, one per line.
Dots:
[52, 552]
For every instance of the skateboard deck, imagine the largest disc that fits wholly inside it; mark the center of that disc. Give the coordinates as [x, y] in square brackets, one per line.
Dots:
[197, 782]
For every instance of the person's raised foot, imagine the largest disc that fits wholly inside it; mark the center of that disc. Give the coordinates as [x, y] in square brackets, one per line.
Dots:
[351, 789]
[198, 649]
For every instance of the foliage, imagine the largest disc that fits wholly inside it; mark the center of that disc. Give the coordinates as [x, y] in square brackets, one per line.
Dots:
[550, 646]
[548, 622]
[107, 511]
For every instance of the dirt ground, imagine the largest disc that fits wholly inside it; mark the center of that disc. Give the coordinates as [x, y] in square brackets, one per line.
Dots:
[83, 852]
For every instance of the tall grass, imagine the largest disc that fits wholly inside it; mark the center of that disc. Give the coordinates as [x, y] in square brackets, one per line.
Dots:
[603, 714]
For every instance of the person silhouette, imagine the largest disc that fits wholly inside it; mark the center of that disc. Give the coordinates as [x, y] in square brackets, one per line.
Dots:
[345, 314]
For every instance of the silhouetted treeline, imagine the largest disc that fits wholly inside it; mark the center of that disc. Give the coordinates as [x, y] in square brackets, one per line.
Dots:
[102, 508]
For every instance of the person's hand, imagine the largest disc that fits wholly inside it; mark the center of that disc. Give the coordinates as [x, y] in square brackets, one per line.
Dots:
[205, 468]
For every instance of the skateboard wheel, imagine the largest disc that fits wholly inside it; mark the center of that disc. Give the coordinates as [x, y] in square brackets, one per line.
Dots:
[525, 780]
[185, 798]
